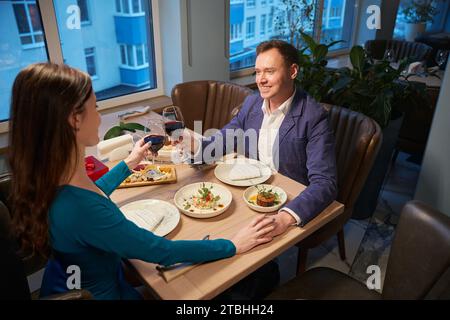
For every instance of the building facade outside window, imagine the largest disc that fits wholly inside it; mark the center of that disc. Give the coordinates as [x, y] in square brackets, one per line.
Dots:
[116, 49]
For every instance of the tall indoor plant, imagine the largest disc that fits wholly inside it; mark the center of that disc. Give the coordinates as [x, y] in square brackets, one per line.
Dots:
[373, 88]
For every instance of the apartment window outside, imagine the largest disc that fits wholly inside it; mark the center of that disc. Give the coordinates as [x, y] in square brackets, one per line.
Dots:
[262, 27]
[263, 3]
[236, 32]
[270, 22]
[251, 3]
[84, 11]
[28, 22]
[250, 31]
[89, 54]
[134, 56]
[20, 19]
[130, 7]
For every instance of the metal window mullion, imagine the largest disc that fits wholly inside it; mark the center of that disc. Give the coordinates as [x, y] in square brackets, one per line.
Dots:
[47, 11]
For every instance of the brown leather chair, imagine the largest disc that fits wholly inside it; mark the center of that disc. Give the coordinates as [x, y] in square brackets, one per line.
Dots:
[358, 139]
[14, 269]
[418, 265]
[208, 101]
[402, 49]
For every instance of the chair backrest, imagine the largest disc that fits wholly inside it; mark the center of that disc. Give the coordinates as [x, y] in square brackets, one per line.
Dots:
[358, 139]
[208, 101]
[419, 261]
[402, 49]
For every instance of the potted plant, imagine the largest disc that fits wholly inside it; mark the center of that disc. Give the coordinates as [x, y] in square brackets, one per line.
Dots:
[373, 88]
[416, 15]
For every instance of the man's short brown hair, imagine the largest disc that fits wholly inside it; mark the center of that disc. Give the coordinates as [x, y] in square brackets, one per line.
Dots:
[287, 50]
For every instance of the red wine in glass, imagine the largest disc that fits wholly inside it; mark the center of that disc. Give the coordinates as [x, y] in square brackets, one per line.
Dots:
[157, 141]
[171, 126]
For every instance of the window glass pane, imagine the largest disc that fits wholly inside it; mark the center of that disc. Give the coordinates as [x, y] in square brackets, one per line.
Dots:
[34, 16]
[251, 22]
[125, 6]
[26, 39]
[13, 55]
[136, 8]
[130, 55]
[123, 54]
[90, 61]
[113, 37]
[118, 6]
[84, 10]
[21, 18]
[337, 22]
[139, 55]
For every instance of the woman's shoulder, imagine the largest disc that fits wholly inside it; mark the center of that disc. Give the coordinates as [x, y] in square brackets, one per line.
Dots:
[74, 201]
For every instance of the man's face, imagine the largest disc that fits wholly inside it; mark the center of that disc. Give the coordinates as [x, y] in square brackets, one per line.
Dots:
[274, 78]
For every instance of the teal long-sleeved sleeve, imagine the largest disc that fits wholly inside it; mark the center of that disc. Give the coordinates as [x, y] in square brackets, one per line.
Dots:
[110, 231]
[111, 180]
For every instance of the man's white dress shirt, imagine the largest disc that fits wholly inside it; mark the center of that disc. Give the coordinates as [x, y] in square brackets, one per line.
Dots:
[268, 142]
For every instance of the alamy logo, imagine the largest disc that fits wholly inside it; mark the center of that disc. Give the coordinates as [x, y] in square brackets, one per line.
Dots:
[74, 279]
[374, 20]
[73, 22]
[374, 280]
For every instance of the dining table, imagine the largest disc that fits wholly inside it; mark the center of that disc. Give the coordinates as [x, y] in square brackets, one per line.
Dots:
[207, 280]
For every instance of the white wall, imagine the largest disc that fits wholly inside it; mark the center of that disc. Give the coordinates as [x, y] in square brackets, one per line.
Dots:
[193, 34]
[433, 186]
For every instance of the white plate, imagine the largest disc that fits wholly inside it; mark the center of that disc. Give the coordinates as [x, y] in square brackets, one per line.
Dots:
[140, 212]
[222, 172]
[251, 191]
[190, 190]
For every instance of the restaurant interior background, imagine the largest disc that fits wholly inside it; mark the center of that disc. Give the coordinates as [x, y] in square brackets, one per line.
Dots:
[136, 51]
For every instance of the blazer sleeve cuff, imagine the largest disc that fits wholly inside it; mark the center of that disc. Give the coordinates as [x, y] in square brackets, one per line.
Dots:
[298, 221]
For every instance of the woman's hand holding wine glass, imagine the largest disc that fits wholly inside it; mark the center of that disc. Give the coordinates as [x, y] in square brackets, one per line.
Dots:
[155, 134]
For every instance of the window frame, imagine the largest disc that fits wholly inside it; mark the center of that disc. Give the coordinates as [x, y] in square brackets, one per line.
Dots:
[50, 28]
[94, 56]
[130, 7]
[34, 44]
[88, 9]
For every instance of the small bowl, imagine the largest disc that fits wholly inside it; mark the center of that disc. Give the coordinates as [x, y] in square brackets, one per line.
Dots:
[252, 191]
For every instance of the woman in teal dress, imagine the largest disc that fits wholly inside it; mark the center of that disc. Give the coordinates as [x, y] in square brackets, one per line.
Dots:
[61, 214]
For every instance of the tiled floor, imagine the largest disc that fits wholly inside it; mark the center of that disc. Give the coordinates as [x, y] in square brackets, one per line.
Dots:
[367, 241]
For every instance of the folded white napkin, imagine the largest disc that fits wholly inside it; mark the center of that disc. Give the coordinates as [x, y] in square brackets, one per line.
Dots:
[146, 220]
[244, 172]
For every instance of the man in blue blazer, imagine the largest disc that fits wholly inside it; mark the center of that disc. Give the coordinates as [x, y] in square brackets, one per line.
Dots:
[303, 147]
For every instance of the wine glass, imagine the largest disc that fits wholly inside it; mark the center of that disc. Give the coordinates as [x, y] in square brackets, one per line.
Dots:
[174, 125]
[389, 55]
[441, 58]
[155, 134]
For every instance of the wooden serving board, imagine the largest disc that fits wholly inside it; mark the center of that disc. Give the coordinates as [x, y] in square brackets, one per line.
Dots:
[171, 178]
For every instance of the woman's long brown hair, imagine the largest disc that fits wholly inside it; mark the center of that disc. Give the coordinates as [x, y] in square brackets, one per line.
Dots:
[42, 148]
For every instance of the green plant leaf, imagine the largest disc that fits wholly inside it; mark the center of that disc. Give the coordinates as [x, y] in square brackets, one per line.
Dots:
[357, 58]
[132, 126]
[309, 41]
[113, 132]
[320, 52]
